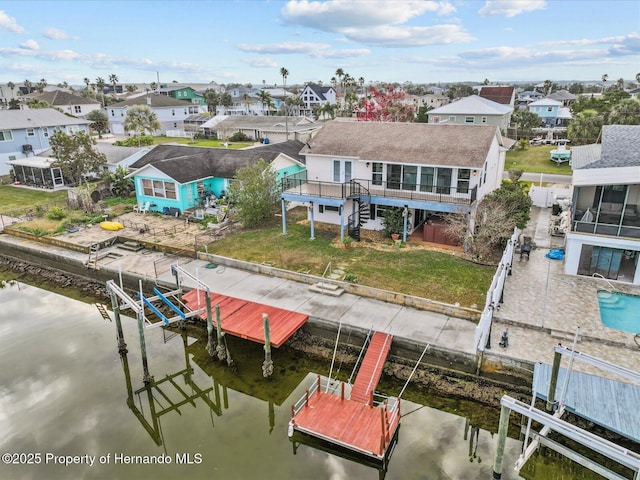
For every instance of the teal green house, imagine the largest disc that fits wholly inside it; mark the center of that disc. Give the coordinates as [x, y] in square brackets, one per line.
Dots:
[182, 93]
[174, 178]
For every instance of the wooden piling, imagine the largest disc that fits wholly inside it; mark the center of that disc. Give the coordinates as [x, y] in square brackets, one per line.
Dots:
[267, 365]
[122, 346]
[221, 351]
[503, 427]
[211, 346]
[557, 358]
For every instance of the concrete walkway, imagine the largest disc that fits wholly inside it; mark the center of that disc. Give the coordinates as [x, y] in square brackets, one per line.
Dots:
[542, 306]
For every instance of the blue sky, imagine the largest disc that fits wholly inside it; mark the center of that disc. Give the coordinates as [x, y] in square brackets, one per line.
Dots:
[249, 41]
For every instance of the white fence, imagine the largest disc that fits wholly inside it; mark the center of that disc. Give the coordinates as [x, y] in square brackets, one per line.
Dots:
[546, 196]
[494, 294]
[179, 133]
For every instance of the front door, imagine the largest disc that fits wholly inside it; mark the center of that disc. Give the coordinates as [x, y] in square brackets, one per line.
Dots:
[342, 171]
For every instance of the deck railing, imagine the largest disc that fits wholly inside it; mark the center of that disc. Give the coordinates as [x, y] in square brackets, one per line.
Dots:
[411, 191]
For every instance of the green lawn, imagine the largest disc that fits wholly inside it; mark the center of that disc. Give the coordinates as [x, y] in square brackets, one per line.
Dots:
[424, 273]
[534, 159]
[16, 199]
[200, 143]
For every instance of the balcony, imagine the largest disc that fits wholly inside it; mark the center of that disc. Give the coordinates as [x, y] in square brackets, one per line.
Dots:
[298, 186]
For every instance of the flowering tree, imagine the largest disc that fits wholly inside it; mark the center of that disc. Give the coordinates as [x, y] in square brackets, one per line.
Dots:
[385, 105]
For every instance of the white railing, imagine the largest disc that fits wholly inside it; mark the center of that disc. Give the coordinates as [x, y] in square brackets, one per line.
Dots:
[494, 294]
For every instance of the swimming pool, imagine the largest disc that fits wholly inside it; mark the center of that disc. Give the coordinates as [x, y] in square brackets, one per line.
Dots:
[620, 310]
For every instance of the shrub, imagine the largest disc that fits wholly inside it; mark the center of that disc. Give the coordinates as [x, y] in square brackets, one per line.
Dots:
[56, 213]
[138, 141]
[239, 137]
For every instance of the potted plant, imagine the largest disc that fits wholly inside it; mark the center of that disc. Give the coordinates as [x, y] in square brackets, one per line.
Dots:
[347, 242]
[393, 222]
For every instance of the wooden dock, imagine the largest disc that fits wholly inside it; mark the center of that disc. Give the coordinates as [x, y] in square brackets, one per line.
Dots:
[371, 368]
[608, 403]
[242, 318]
[361, 428]
[353, 422]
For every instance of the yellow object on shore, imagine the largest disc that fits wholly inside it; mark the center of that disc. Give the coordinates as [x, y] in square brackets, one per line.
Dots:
[111, 225]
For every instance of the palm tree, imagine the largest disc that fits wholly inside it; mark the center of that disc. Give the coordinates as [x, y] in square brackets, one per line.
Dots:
[604, 81]
[141, 118]
[627, 112]
[547, 87]
[361, 82]
[100, 84]
[265, 99]
[41, 85]
[246, 98]
[620, 83]
[585, 127]
[113, 79]
[339, 74]
[285, 73]
[28, 85]
[637, 79]
[153, 86]
[12, 85]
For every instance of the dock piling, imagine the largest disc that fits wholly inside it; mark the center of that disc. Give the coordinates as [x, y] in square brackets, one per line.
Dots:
[551, 395]
[211, 346]
[122, 346]
[503, 427]
[267, 365]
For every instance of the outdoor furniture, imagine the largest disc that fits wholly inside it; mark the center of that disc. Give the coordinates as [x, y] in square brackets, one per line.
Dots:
[525, 250]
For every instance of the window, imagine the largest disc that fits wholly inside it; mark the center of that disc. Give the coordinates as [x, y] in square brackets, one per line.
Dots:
[12, 157]
[31, 132]
[464, 175]
[409, 177]
[113, 113]
[185, 111]
[549, 109]
[158, 188]
[394, 175]
[328, 208]
[444, 180]
[452, 118]
[469, 119]
[376, 173]
[5, 136]
[45, 132]
[426, 179]
[436, 119]
[484, 119]
[173, 112]
[77, 109]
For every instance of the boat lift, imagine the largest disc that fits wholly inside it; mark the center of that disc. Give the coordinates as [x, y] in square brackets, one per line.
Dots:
[120, 300]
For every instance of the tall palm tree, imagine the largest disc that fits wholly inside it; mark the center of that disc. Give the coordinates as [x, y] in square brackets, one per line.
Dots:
[361, 82]
[41, 85]
[113, 79]
[638, 78]
[285, 73]
[12, 85]
[620, 83]
[547, 87]
[339, 75]
[604, 81]
[28, 85]
[246, 98]
[87, 82]
[265, 99]
[584, 127]
[100, 84]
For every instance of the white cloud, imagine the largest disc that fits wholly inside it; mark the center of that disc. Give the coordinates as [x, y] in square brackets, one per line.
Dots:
[261, 62]
[411, 36]
[30, 45]
[285, 47]
[9, 23]
[336, 15]
[511, 8]
[55, 34]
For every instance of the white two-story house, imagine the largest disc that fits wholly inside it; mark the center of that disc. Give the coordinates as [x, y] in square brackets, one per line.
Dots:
[170, 111]
[313, 96]
[605, 232]
[25, 133]
[357, 170]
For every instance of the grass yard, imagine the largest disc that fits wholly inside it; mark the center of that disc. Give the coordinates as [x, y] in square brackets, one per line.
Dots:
[17, 199]
[200, 143]
[534, 159]
[430, 274]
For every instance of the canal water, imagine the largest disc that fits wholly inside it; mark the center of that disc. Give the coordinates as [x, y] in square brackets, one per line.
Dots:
[72, 408]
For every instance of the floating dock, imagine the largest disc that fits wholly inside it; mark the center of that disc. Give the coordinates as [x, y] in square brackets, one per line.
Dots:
[327, 412]
[242, 318]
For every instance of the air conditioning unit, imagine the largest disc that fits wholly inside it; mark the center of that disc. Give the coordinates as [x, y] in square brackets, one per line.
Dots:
[27, 148]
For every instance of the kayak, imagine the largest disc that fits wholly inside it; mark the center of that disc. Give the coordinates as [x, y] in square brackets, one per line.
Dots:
[111, 225]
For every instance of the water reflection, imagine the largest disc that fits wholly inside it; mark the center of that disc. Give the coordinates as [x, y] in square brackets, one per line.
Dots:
[65, 389]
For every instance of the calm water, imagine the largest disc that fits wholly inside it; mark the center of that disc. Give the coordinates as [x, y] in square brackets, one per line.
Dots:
[64, 390]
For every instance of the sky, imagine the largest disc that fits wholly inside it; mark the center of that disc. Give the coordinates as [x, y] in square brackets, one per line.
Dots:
[243, 41]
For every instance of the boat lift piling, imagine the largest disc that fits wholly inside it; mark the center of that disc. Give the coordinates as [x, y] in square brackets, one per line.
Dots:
[267, 365]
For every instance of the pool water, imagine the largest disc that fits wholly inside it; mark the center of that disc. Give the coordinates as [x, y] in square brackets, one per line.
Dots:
[620, 311]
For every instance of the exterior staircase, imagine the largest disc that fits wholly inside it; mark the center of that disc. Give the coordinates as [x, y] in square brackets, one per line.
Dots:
[361, 196]
[371, 369]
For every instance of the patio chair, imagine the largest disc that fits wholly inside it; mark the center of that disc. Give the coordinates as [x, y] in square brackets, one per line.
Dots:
[138, 208]
[145, 207]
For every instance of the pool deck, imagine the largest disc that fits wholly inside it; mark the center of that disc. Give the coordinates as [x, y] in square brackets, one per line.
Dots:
[542, 306]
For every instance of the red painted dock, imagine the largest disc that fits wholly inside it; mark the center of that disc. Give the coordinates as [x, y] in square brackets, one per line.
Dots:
[371, 368]
[361, 428]
[243, 318]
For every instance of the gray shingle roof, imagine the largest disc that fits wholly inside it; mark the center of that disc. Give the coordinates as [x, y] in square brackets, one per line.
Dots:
[58, 97]
[421, 143]
[266, 123]
[620, 148]
[41, 117]
[187, 164]
[156, 101]
[472, 105]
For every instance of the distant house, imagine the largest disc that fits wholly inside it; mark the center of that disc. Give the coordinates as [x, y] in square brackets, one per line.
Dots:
[566, 98]
[430, 101]
[26, 133]
[503, 95]
[551, 112]
[355, 171]
[181, 92]
[272, 129]
[170, 112]
[181, 178]
[604, 237]
[314, 95]
[473, 110]
[67, 102]
[527, 97]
